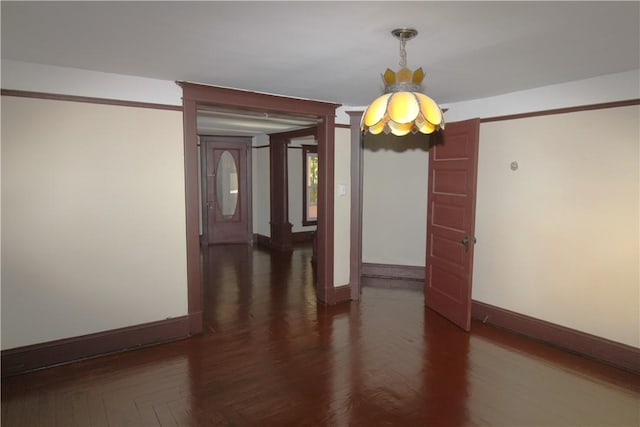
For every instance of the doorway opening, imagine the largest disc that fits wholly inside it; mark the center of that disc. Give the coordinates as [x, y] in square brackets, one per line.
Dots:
[196, 96]
[449, 215]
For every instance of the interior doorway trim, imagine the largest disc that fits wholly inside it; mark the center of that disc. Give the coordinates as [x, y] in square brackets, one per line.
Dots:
[197, 94]
[355, 257]
[281, 227]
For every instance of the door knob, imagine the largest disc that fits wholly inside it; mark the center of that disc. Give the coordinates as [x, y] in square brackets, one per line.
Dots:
[465, 241]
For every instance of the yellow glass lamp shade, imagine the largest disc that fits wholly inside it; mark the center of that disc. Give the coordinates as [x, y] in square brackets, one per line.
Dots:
[402, 109]
[401, 113]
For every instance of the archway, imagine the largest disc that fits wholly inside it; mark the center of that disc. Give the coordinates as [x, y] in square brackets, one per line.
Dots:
[197, 94]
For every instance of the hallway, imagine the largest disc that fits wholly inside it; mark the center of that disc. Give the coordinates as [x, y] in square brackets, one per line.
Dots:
[271, 356]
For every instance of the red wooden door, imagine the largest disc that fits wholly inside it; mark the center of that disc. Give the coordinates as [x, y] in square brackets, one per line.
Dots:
[225, 201]
[451, 204]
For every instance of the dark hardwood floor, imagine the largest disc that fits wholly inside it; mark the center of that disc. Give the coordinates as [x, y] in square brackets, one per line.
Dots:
[271, 356]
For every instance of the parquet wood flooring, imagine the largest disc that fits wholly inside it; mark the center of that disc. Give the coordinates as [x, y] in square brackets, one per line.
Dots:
[270, 356]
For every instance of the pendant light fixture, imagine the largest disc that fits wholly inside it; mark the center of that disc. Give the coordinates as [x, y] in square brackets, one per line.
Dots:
[403, 108]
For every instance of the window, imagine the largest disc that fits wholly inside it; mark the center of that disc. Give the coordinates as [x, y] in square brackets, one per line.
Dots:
[310, 184]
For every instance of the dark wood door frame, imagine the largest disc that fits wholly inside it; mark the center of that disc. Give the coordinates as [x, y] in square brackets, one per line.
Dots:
[279, 224]
[357, 149]
[281, 236]
[233, 140]
[355, 257]
[196, 94]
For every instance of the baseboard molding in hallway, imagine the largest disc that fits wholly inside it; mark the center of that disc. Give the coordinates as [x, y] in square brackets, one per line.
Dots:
[28, 358]
[592, 346]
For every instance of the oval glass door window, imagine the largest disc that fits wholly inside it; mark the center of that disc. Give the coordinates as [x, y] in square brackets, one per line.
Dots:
[227, 185]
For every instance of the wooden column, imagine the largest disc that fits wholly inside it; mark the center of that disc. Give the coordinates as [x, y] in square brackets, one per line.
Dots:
[355, 262]
[280, 225]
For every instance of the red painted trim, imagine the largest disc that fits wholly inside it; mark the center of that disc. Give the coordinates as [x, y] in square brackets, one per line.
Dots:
[192, 207]
[297, 237]
[262, 241]
[195, 323]
[598, 348]
[280, 226]
[391, 276]
[302, 236]
[74, 98]
[306, 149]
[292, 134]
[204, 217]
[243, 99]
[393, 283]
[562, 110]
[326, 178]
[355, 220]
[28, 358]
[393, 271]
[341, 294]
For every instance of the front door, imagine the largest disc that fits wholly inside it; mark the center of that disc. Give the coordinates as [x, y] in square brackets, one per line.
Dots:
[451, 204]
[225, 189]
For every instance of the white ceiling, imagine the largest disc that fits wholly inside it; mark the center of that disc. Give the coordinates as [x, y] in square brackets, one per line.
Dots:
[332, 51]
[217, 121]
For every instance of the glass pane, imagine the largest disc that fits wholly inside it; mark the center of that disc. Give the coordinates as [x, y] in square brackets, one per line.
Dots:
[312, 186]
[227, 185]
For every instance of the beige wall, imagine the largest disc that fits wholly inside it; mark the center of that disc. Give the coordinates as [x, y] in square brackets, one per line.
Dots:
[394, 200]
[261, 201]
[342, 207]
[93, 218]
[558, 239]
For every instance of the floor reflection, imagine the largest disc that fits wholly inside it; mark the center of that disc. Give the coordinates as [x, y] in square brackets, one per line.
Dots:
[270, 355]
[445, 378]
[384, 361]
